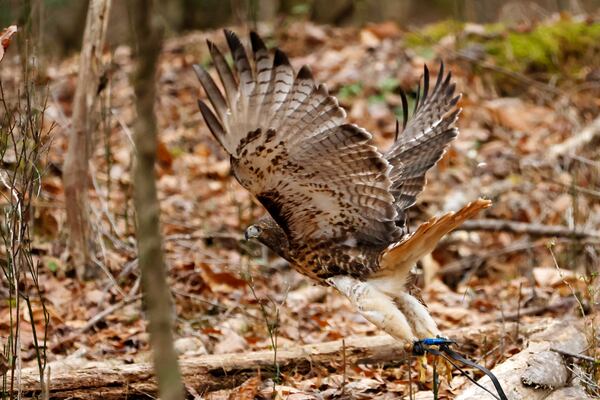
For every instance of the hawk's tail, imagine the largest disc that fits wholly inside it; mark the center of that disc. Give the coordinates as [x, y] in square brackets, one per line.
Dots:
[399, 258]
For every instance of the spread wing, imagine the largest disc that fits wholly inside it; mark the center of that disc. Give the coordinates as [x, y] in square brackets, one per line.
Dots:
[423, 140]
[291, 146]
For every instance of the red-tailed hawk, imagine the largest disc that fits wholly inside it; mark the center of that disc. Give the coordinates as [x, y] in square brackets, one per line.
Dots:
[336, 204]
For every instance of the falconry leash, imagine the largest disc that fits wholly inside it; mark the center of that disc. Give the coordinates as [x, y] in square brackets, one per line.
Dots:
[420, 347]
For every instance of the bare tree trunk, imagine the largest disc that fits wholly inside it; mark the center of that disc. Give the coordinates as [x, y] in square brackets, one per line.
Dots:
[83, 122]
[147, 43]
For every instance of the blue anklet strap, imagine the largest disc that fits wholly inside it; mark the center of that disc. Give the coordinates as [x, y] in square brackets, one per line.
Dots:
[436, 341]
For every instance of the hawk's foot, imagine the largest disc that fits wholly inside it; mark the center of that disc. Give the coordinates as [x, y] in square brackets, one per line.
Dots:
[435, 347]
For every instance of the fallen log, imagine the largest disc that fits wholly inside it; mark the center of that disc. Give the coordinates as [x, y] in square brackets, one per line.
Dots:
[105, 380]
[537, 371]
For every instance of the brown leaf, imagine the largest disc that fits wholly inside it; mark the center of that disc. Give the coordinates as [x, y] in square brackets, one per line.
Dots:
[5, 38]
[47, 222]
[220, 281]
[552, 277]
[384, 30]
[163, 155]
[247, 391]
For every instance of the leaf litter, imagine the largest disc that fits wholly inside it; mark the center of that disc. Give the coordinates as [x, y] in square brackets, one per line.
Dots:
[204, 212]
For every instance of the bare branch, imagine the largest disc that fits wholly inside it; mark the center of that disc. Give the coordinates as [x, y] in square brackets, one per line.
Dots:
[530, 229]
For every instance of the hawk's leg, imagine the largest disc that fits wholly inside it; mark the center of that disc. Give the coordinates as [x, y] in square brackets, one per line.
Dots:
[376, 306]
[418, 317]
[401, 316]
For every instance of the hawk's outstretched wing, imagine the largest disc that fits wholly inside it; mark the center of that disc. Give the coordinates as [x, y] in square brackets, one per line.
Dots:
[291, 146]
[423, 140]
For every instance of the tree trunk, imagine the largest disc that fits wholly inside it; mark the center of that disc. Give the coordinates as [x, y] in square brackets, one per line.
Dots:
[147, 44]
[105, 380]
[83, 122]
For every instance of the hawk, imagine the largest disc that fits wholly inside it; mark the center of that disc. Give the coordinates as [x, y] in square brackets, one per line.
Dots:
[336, 204]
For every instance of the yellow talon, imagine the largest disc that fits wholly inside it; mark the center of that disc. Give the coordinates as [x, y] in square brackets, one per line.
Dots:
[422, 368]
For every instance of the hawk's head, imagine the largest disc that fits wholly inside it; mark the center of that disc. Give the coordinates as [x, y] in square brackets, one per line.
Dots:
[253, 232]
[267, 232]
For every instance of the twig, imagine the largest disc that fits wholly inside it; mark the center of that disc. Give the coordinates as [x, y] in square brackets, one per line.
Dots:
[107, 311]
[95, 319]
[528, 228]
[570, 354]
[272, 325]
[197, 298]
[534, 310]
[466, 262]
[575, 142]
[550, 245]
[344, 373]
[203, 236]
[577, 188]
[518, 312]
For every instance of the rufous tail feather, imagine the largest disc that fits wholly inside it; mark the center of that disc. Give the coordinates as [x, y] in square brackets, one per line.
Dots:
[399, 258]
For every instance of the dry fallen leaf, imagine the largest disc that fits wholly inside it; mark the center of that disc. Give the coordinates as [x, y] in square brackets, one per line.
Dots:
[5, 38]
[223, 282]
[551, 276]
[248, 390]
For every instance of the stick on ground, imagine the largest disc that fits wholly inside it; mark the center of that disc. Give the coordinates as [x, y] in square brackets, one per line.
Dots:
[531, 229]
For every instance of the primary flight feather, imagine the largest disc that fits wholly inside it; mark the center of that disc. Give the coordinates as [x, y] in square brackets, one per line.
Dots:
[336, 204]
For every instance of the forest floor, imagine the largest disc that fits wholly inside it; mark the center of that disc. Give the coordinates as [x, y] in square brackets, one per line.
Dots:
[234, 296]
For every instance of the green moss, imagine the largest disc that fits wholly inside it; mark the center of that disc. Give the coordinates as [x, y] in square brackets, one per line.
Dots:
[495, 28]
[548, 47]
[564, 48]
[432, 34]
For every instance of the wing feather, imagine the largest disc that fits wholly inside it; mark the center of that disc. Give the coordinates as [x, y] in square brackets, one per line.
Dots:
[212, 92]
[225, 74]
[318, 176]
[424, 139]
[213, 123]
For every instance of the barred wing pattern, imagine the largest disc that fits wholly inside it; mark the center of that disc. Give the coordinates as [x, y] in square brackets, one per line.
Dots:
[291, 147]
[424, 139]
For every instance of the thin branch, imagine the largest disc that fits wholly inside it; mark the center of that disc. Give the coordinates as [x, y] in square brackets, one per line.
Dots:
[528, 228]
[574, 355]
